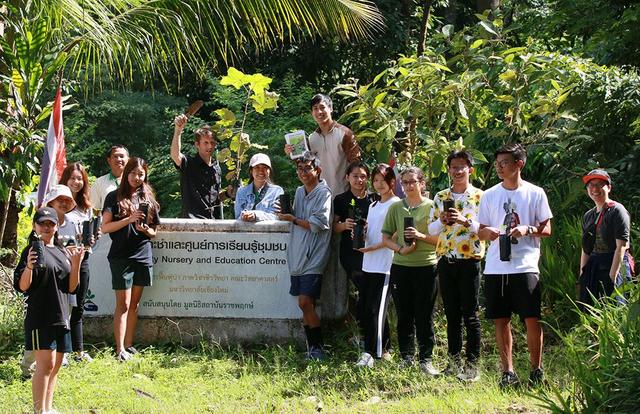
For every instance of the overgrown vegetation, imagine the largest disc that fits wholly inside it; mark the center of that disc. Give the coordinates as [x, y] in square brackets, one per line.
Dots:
[602, 354]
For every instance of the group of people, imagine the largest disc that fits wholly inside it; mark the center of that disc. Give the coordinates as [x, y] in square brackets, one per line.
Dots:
[413, 247]
[56, 284]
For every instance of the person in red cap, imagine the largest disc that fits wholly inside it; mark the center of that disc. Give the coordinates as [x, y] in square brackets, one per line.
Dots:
[605, 262]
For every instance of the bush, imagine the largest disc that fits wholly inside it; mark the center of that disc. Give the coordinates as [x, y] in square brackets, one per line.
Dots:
[559, 262]
[603, 358]
[11, 315]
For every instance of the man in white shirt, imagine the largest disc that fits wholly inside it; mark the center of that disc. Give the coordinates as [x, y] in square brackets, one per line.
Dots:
[117, 158]
[514, 215]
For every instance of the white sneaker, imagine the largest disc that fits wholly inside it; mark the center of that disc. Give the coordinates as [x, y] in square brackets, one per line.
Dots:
[124, 356]
[366, 360]
[82, 357]
[65, 360]
[427, 367]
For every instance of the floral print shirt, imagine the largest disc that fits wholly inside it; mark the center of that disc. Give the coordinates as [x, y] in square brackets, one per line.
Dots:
[458, 241]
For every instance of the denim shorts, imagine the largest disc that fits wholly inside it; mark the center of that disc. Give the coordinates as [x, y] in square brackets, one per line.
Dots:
[307, 285]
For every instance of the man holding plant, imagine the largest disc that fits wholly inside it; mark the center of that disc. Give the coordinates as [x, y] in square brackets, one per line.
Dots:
[332, 142]
[200, 175]
[514, 215]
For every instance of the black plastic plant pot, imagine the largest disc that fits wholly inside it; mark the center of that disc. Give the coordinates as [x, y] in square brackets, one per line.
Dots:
[285, 203]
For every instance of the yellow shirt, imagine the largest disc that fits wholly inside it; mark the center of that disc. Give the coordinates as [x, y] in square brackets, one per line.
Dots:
[458, 241]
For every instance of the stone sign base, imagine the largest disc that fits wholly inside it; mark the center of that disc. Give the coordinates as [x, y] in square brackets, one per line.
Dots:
[191, 331]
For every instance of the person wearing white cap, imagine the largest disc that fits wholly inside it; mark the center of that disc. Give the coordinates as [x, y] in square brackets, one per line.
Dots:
[61, 200]
[605, 262]
[256, 200]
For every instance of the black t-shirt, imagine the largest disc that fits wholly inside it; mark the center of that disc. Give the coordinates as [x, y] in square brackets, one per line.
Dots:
[200, 188]
[350, 259]
[47, 300]
[128, 243]
[615, 224]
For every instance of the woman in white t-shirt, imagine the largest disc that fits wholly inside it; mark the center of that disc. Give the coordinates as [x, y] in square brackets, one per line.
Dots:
[376, 264]
[75, 177]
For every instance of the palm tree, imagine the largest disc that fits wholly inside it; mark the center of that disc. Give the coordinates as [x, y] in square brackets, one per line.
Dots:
[123, 40]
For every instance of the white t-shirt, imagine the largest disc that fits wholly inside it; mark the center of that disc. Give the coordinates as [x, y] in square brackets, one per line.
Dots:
[377, 261]
[100, 188]
[530, 204]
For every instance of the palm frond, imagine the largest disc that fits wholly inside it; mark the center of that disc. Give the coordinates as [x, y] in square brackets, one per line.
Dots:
[154, 37]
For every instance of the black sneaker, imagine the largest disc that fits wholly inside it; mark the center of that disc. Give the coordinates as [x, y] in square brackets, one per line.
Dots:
[509, 380]
[536, 377]
[407, 361]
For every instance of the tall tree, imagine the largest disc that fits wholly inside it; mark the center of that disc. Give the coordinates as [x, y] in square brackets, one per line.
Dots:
[126, 40]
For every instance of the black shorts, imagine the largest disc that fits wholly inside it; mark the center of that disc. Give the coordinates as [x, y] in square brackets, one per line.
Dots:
[127, 273]
[307, 285]
[517, 293]
[49, 338]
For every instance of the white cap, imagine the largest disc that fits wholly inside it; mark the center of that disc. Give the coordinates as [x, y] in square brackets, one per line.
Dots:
[260, 158]
[56, 191]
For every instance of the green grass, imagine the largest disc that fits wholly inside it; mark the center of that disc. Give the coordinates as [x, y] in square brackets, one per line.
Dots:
[209, 378]
[170, 378]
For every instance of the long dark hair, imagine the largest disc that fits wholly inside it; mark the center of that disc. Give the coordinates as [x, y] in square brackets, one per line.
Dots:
[387, 173]
[145, 191]
[82, 197]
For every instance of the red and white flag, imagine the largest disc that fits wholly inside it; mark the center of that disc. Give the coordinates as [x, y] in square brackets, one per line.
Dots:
[54, 159]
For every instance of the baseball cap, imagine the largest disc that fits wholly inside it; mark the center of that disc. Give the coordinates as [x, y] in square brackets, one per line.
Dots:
[260, 158]
[56, 191]
[597, 174]
[45, 214]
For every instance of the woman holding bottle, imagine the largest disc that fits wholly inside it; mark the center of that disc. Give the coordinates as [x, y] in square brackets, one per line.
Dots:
[413, 273]
[130, 216]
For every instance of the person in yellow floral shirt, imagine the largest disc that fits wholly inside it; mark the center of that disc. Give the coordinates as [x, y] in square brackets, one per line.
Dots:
[454, 219]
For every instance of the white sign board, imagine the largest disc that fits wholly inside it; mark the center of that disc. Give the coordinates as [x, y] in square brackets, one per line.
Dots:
[204, 274]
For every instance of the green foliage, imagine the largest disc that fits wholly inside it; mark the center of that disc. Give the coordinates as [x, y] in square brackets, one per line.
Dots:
[141, 122]
[29, 61]
[473, 87]
[269, 129]
[255, 88]
[559, 262]
[11, 316]
[603, 358]
[605, 30]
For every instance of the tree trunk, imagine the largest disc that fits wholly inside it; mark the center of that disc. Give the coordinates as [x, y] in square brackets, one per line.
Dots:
[426, 13]
[10, 234]
[451, 12]
[482, 5]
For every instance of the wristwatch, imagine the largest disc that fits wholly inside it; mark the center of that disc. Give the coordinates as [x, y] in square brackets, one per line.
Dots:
[530, 230]
[468, 223]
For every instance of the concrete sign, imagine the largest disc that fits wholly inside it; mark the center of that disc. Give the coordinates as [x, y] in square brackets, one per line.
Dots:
[220, 274]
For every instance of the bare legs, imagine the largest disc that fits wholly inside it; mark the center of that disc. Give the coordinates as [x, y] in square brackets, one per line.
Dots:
[125, 316]
[307, 305]
[505, 342]
[44, 379]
